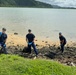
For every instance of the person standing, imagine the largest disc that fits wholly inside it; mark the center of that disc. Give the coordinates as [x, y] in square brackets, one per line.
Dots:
[3, 38]
[30, 40]
[62, 41]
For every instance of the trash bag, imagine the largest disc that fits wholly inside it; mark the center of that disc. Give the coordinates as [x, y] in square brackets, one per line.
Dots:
[25, 50]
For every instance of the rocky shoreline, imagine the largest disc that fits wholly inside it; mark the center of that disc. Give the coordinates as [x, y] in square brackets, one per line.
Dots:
[16, 44]
[48, 52]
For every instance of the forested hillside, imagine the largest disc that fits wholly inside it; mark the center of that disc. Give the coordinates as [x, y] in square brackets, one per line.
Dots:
[23, 3]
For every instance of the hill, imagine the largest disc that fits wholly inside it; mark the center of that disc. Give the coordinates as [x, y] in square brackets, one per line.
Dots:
[23, 3]
[15, 65]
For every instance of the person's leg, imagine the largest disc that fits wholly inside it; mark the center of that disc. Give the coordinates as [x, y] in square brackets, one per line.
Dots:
[34, 47]
[4, 48]
[29, 48]
[1, 46]
[62, 48]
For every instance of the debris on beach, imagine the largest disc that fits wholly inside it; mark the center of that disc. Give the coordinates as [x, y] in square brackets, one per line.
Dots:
[15, 33]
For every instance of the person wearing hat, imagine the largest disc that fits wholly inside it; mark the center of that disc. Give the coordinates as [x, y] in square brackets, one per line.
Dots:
[62, 41]
[3, 38]
[30, 40]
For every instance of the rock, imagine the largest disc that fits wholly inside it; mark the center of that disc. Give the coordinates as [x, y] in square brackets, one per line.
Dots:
[16, 48]
[46, 52]
[15, 33]
[68, 63]
[42, 41]
[69, 57]
[54, 45]
[25, 50]
[51, 55]
[72, 64]
[36, 40]
[58, 48]
[75, 57]
[17, 45]
[37, 45]
[46, 41]
[68, 47]
[40, 54]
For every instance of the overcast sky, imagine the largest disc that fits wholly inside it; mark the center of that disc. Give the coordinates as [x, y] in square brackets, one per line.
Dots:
[65, 3]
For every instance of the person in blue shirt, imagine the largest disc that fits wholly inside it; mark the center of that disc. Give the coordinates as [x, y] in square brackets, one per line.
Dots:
[62, 41]
[3, 38]
[30, 40]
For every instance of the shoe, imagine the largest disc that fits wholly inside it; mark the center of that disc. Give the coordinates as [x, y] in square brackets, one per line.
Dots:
[34, 57]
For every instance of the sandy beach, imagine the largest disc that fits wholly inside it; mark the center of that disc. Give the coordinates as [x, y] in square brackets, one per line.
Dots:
[15, 39]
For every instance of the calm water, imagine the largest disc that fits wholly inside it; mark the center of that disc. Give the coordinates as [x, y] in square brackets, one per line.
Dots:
[45, 23]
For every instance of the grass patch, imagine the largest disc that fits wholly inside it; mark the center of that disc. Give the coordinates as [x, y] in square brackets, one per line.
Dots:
[15, 65]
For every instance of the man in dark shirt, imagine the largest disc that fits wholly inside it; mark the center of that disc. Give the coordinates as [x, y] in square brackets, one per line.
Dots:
[62, 41]
[3, 37]
[30, 40]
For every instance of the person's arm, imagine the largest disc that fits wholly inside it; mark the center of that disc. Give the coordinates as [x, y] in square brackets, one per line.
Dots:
[62, 41]
[5, 39]
[33, 38]
[26, 40]
[0, 34]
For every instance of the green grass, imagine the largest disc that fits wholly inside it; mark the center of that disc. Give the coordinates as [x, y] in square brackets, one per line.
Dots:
[15, 65]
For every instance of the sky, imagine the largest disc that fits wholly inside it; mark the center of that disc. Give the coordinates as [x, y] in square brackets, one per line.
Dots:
[62, 3]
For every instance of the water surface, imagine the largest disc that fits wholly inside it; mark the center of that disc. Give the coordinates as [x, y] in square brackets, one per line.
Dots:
[45, 23]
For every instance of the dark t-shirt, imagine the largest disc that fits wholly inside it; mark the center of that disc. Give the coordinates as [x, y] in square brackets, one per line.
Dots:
[63, 38]
[3, 37]
[30, 37]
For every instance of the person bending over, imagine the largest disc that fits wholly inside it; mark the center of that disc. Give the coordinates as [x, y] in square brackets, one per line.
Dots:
[62, 41]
